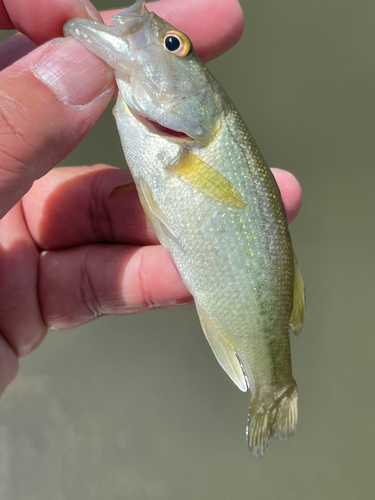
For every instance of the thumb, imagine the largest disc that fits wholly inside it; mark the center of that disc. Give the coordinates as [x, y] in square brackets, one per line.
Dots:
[49, 100]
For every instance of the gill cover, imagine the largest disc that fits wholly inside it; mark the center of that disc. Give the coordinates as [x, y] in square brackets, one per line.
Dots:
[172, 89]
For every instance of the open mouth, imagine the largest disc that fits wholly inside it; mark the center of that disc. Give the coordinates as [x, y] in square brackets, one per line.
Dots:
[155, 127]
[168, 131]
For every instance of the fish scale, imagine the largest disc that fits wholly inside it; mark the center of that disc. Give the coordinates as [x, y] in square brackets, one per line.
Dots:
[213, 203]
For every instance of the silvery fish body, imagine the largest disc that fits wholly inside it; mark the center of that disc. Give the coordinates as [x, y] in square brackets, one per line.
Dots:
[213, 203]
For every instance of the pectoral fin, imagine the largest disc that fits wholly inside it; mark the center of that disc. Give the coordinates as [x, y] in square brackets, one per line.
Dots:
[207, 180]
[224, 352]
[298, 311]
[150, 207]
[118, 189]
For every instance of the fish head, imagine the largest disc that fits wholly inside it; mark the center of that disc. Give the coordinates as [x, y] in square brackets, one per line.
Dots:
[158, 73]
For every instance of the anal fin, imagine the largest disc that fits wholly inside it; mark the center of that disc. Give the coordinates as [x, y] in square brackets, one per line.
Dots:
[298, 311]
[223, 350]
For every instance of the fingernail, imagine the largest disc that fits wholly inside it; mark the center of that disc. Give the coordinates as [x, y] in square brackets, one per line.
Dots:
[91, 11]
[184, 301]
[73, 73]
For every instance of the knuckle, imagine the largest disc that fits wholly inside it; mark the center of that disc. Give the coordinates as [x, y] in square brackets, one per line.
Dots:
[141, 281]
[98, 211]
[16, 134]
[88, 291]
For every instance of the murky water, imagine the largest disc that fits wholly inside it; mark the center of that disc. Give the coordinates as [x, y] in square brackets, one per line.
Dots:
[137, 407]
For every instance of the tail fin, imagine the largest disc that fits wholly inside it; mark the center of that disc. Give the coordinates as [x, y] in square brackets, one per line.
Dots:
[279, 421]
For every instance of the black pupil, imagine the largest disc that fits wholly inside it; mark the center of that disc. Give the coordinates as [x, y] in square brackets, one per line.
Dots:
[172, 43]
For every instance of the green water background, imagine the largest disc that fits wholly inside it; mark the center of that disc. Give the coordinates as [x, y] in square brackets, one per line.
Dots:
[137, 407]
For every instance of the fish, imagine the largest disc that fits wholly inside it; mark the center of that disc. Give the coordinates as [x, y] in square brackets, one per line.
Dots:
[214, 205]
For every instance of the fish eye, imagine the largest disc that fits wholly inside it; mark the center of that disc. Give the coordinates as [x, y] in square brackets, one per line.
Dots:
[177, 43]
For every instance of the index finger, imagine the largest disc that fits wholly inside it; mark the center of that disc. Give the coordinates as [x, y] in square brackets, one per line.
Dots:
[213, 26]
[42, 20]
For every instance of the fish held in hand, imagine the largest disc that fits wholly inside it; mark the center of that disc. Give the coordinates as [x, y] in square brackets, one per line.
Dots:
[213, 203]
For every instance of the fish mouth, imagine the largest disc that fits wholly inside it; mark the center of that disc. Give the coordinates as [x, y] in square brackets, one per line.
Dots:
[158, 129]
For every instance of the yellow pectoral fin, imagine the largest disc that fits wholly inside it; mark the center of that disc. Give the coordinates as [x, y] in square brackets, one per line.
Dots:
[118, 189]
[207, 180]
[298, 311]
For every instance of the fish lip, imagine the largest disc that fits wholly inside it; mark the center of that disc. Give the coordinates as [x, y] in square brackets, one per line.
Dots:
[158, 129]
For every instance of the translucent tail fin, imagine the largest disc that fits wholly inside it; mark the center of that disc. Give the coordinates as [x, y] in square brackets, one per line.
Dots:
[279, 421]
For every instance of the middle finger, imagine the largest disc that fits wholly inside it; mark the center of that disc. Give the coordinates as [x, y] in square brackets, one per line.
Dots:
[73, 206]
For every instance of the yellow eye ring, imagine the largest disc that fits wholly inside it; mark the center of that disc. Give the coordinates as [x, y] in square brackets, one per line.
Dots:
[177, 43]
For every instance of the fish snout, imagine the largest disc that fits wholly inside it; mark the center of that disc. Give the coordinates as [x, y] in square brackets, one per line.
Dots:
[103, 41]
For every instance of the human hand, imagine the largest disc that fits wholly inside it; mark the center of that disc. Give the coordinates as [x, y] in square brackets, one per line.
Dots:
[68, 252]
